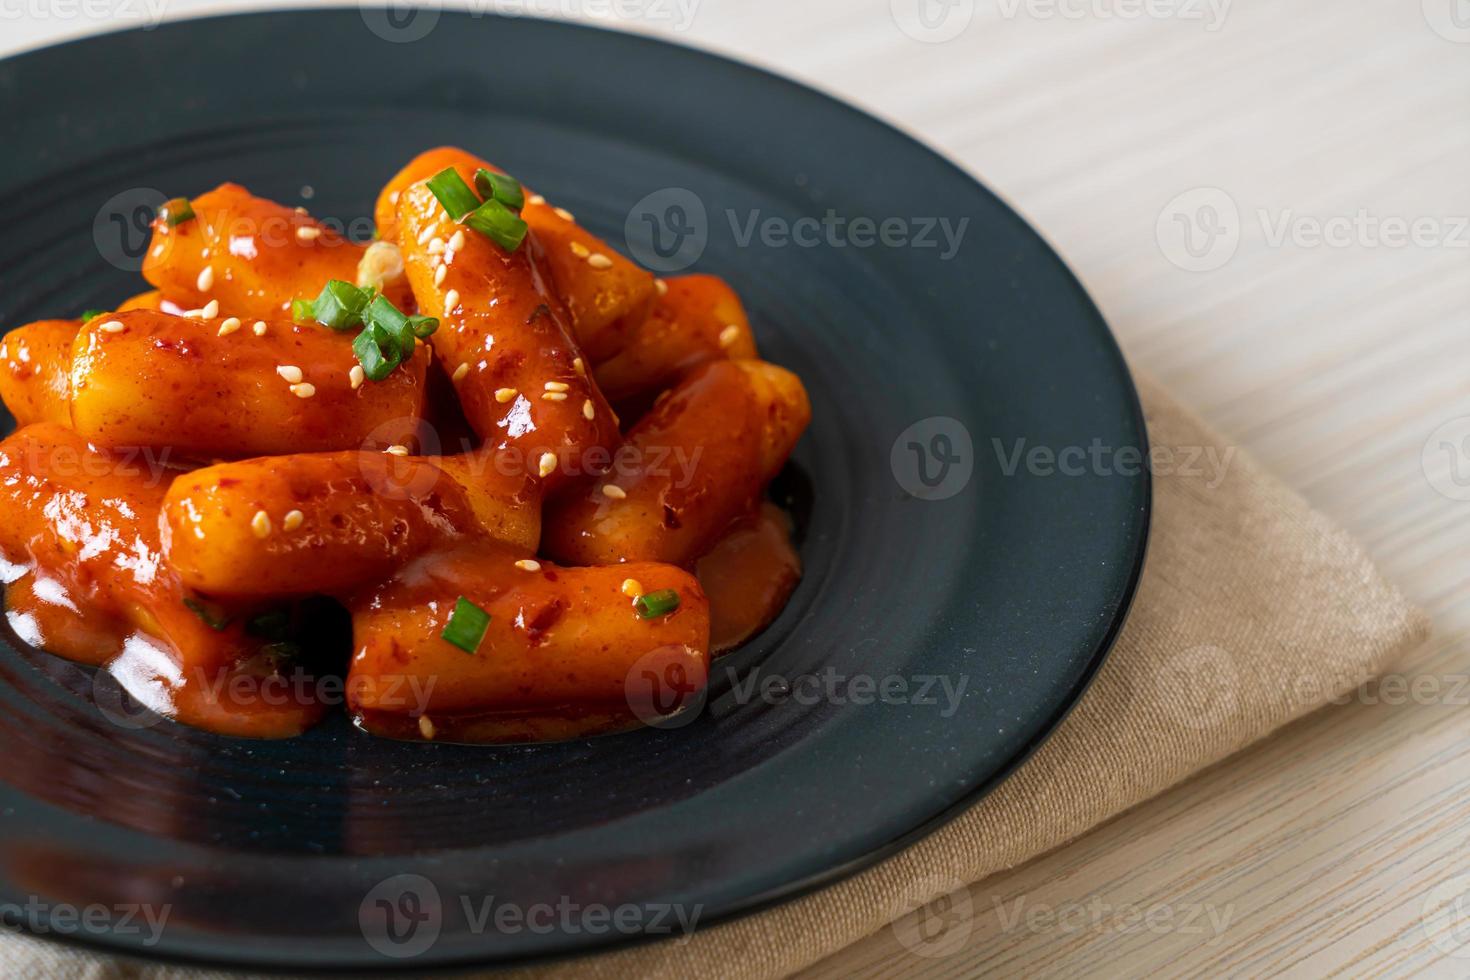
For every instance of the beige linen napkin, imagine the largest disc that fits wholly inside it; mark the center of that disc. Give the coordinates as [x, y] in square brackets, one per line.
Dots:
[1254, 610]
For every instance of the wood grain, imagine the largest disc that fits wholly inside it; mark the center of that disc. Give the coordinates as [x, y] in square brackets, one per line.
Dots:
[1318, 850]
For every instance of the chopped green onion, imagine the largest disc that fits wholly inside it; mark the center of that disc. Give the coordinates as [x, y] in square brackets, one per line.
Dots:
[303, 309]
[383, 314]
[176, 211]
[89, 315]
[498, 223]
[466, 626]
[500, 187]
[451, 190]
[423, 326]
[213, 616]
[377, 351]
[340, 305]
[654, 604]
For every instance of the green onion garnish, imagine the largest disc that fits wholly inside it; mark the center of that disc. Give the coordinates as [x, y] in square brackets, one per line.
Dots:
[652, 605]
[498, 223]
[381, 313]
[340, 305]
[377, 351]
[302, 309]
[467, 625]
[500, 187]
[213, 616]
[176, 211]
[89, 315]
[451, 190]
[423, 326]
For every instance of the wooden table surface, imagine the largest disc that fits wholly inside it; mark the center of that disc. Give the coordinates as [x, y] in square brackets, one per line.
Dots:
[1317, 153]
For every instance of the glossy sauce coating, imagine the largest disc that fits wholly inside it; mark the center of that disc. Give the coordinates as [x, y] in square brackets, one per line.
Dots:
[259, 256]
[695, 464]
[748, 576]
[555, 661]
[35, 364]
[503, 340]
[172, 381]
[87, 580]
[698, 319]
[606, 298]
[329, 523]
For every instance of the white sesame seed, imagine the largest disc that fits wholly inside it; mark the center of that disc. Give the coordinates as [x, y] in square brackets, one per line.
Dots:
[614, 492]
[661, 286]
[632, 588]
[292, 520]
[589, 411]
[557, 386]
[304, 390]
[729, 335]
[461, 371]
[205, 282]
[504, 395]
[554, 396]
[451, 300]
[299, 209]
[211, 310]
[112, 326]
[306, 233]
[456, 241]
[600, 261]
[260, 524]
[397, 451]
[580, 251]
[426, 727]
[439, 275]
[195, 314]
[290, 373]
[229, 326]
[426, 234]
[356, 376]
[259, 328]
[437, 246]
[565, 215]
[535, 199]
[528, 565]
[578, 366]
[547, 464]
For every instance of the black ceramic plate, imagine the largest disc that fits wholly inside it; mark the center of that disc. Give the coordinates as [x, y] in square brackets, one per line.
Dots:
[957, 597]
